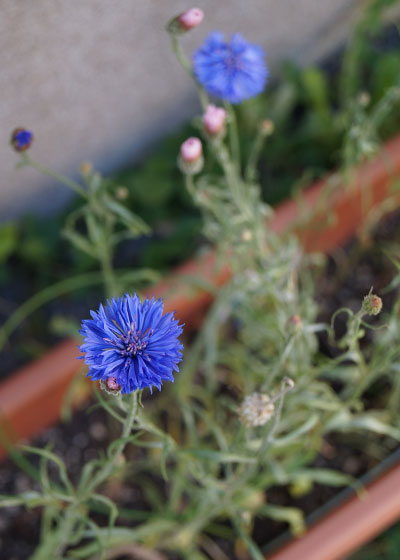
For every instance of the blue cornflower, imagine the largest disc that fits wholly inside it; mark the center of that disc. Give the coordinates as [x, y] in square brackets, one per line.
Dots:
[130, 344]
[232, 70]
[21, 139]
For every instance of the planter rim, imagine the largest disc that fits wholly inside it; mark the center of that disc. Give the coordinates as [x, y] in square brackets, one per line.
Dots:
[347, 521]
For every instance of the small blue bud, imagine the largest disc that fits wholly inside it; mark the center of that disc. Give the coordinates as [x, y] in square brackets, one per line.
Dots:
[21, 139]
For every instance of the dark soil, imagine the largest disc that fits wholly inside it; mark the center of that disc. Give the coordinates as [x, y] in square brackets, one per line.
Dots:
[348, 278]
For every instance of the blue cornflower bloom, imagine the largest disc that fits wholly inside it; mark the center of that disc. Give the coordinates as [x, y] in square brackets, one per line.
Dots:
[21, 139]
[234, 70]
[130, 344]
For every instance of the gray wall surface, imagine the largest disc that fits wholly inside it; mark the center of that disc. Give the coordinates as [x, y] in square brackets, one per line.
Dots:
[96, 80]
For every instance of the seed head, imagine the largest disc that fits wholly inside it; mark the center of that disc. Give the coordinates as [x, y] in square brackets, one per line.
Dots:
[256, 410]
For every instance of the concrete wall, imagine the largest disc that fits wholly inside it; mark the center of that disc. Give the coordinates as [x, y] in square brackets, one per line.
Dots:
[96, 80]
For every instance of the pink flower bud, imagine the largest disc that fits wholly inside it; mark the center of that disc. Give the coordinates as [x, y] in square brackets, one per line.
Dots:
[214, 119]
[191, 150]
[113, 384]
[190, 19]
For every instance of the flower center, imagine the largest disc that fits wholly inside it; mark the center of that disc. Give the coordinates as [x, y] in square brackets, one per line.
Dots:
[232, 62]
[133, 342]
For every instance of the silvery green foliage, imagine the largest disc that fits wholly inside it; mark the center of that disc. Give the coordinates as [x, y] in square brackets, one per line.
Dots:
[214, 457]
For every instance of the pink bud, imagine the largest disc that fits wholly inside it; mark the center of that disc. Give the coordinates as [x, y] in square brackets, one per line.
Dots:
[214, 119]
[190, 19]
[113, 384]
[191, 150]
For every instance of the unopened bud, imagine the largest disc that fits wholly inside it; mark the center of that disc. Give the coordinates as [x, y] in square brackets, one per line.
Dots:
[191, 18]
[247, 235]
[21, 139]
[214, 120]
[191, 150]
[122, 193]
[256, 410]
[372, 304]
[267, 127]
[295, 320]
[289, 382]
[186, 21]
[111, 386]
[364, 99]
[86, 168]
[191, 156]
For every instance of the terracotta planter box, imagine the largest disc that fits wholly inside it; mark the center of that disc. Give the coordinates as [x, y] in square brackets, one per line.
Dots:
[351, 523]
[31, 399]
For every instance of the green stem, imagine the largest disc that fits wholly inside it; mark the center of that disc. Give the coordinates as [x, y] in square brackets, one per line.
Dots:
[250, 173]
[54, 544]
[233, 135]
[233, 178]
[180, 55]
[73, 185]
[42, 297]
[107, 469]
[108, 271]
[187, 66]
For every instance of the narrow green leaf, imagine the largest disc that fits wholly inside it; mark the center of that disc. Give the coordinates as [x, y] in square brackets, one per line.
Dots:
[293, 516]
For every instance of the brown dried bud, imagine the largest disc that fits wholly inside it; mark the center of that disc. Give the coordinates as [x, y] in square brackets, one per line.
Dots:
[267, 127]
[86, 168]
[122, 193]
[372, 304]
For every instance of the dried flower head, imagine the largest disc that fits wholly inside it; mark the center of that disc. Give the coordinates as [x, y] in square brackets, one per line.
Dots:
[256, 409]
[130, 344]
[372, 304]
[232, 70]
[21, 139]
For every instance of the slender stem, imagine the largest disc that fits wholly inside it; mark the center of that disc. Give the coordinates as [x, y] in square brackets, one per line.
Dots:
[180, 55]
[233, 178]
[42, 297]
[54, 545]
[250, 173]
[187, 66]
[233, 135]
[105, 257]
[76, 187]
[108, 467]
